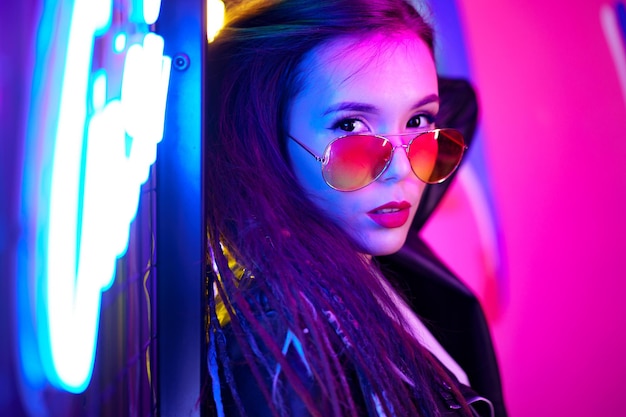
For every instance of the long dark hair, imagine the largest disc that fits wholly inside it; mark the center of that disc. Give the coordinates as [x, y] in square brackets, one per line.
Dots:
[308, 269]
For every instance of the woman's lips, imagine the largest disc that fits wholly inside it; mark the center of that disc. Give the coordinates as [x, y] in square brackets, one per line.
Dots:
[391, 215]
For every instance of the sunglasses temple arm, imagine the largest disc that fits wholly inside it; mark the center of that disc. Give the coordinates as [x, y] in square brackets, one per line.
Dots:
[306, 148]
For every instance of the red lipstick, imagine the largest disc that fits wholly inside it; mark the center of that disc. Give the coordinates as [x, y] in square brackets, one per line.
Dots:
[391, 215]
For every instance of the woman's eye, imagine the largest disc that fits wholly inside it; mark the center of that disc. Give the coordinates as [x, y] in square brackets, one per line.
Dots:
[421, 120]
[350, 125]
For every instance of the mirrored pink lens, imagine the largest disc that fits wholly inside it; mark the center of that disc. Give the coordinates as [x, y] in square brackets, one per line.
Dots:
[352, 162]
[434, 155]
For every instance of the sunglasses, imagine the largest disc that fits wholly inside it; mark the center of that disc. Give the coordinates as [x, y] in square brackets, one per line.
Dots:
[352, 162]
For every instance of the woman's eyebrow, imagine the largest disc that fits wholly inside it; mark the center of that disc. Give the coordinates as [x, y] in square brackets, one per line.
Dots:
[432, 98]
[369, 108]
[351, 106]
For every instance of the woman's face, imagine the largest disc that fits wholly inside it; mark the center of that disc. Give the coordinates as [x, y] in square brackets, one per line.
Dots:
[380, 84]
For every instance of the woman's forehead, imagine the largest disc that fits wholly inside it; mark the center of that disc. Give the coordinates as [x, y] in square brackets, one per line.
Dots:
[372, 69]
[345, 58]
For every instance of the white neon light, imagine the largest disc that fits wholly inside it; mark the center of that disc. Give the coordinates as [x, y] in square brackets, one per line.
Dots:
[82, 256]
[120, 42]
[99, 94]
[72, 307]
[144, 90]
[215, 11]
[151, 10]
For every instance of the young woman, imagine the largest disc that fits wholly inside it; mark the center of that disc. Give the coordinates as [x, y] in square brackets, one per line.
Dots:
[320, 143]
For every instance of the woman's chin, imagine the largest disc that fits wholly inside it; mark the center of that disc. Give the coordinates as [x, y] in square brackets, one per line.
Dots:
[385, 245]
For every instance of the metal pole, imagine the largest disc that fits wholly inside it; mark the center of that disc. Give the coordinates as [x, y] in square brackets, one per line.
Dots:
[180, 239]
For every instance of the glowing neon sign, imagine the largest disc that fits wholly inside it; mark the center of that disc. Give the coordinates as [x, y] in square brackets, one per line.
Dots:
[95, 181]
[215, 10]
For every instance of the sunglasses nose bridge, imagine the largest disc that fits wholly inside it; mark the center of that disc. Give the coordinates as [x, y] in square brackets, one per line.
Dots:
[397, 168]
[405, 146]
[402, 145]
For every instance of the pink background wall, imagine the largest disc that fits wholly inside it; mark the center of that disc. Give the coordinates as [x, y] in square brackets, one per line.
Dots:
[553, 125]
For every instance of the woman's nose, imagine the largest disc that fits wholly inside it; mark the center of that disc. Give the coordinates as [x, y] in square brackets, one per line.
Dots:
[399, 166]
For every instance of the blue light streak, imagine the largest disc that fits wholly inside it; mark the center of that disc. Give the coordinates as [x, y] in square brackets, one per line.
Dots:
[94, 188]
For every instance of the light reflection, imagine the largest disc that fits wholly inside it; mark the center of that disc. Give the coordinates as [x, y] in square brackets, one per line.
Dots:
[214, 18]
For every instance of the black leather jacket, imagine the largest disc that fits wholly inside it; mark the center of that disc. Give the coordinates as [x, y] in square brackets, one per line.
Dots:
[255, 404]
